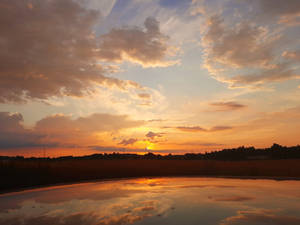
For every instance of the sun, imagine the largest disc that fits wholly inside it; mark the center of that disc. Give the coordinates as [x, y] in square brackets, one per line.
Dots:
[150, 146]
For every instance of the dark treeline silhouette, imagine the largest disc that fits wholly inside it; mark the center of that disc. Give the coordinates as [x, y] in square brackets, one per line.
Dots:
[276, 151]
[277, 161]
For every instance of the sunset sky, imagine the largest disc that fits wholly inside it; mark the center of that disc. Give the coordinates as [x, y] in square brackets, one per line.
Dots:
[168, 76]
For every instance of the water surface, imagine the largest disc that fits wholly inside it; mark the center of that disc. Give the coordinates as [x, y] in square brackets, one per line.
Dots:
[182, 201]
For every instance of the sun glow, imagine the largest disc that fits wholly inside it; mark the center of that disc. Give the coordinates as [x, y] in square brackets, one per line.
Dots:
[150, 146]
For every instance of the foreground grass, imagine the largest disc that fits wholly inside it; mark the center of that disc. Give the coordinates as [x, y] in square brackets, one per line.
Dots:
[20, 174]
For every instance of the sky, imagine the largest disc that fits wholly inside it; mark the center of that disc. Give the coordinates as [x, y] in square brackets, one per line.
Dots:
[79, 77]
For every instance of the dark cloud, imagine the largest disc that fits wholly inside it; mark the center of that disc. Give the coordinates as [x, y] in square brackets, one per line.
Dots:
[129, 141]
[53, 131]
[14, 135]
[200, 129]
[220, 128]
[284, 11]
[227, 106]
[49, 48]
[201, 143]
[144, 95]
[152, 135]
[146, 47]
[113, 149]
[191, 129]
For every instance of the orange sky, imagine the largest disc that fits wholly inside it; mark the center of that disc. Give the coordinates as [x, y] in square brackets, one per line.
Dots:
[136, 76]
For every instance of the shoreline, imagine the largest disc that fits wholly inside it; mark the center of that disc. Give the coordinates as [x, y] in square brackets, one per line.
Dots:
[51, 186]
[24, 175]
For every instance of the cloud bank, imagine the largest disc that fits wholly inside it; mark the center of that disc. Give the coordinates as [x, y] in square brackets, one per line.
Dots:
[58, 130]
[50, 48]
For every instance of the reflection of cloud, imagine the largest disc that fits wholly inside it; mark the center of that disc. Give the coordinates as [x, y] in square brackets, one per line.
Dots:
[74, 219]
[232, 198]
[68, 193]
[207, 186]
[261, 216]
[69, 209]
[77, 219]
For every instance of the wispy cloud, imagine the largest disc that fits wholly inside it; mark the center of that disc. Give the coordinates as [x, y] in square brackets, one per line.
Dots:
[227, 106]
[129, 141]
[201, 129]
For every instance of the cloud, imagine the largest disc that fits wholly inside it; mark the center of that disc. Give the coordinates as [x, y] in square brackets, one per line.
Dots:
[244, 54]
[153, 135]
[227, 106]
[129, 141]
[174, 3]
[191, 129]
[200, 129]
[14, 135]
[146, 47]
[113, 149]
[144, 95]
[58, 130]
[200, 144]
[280, 73]
[52, 50]
[284, 11]
[96, 122]
[198, 7]
[220, 128]
[294, 55]
[261, 216]
[239, 46]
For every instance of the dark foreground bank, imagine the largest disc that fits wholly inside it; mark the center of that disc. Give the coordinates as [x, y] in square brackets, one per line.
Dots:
[22, 173]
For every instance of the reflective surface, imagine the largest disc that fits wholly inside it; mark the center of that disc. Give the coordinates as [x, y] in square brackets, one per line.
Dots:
[181, 201]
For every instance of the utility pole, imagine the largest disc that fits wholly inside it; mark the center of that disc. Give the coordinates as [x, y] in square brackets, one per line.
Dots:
[44, 152]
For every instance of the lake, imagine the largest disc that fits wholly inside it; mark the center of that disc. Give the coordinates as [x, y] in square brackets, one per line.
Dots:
[182, 201]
